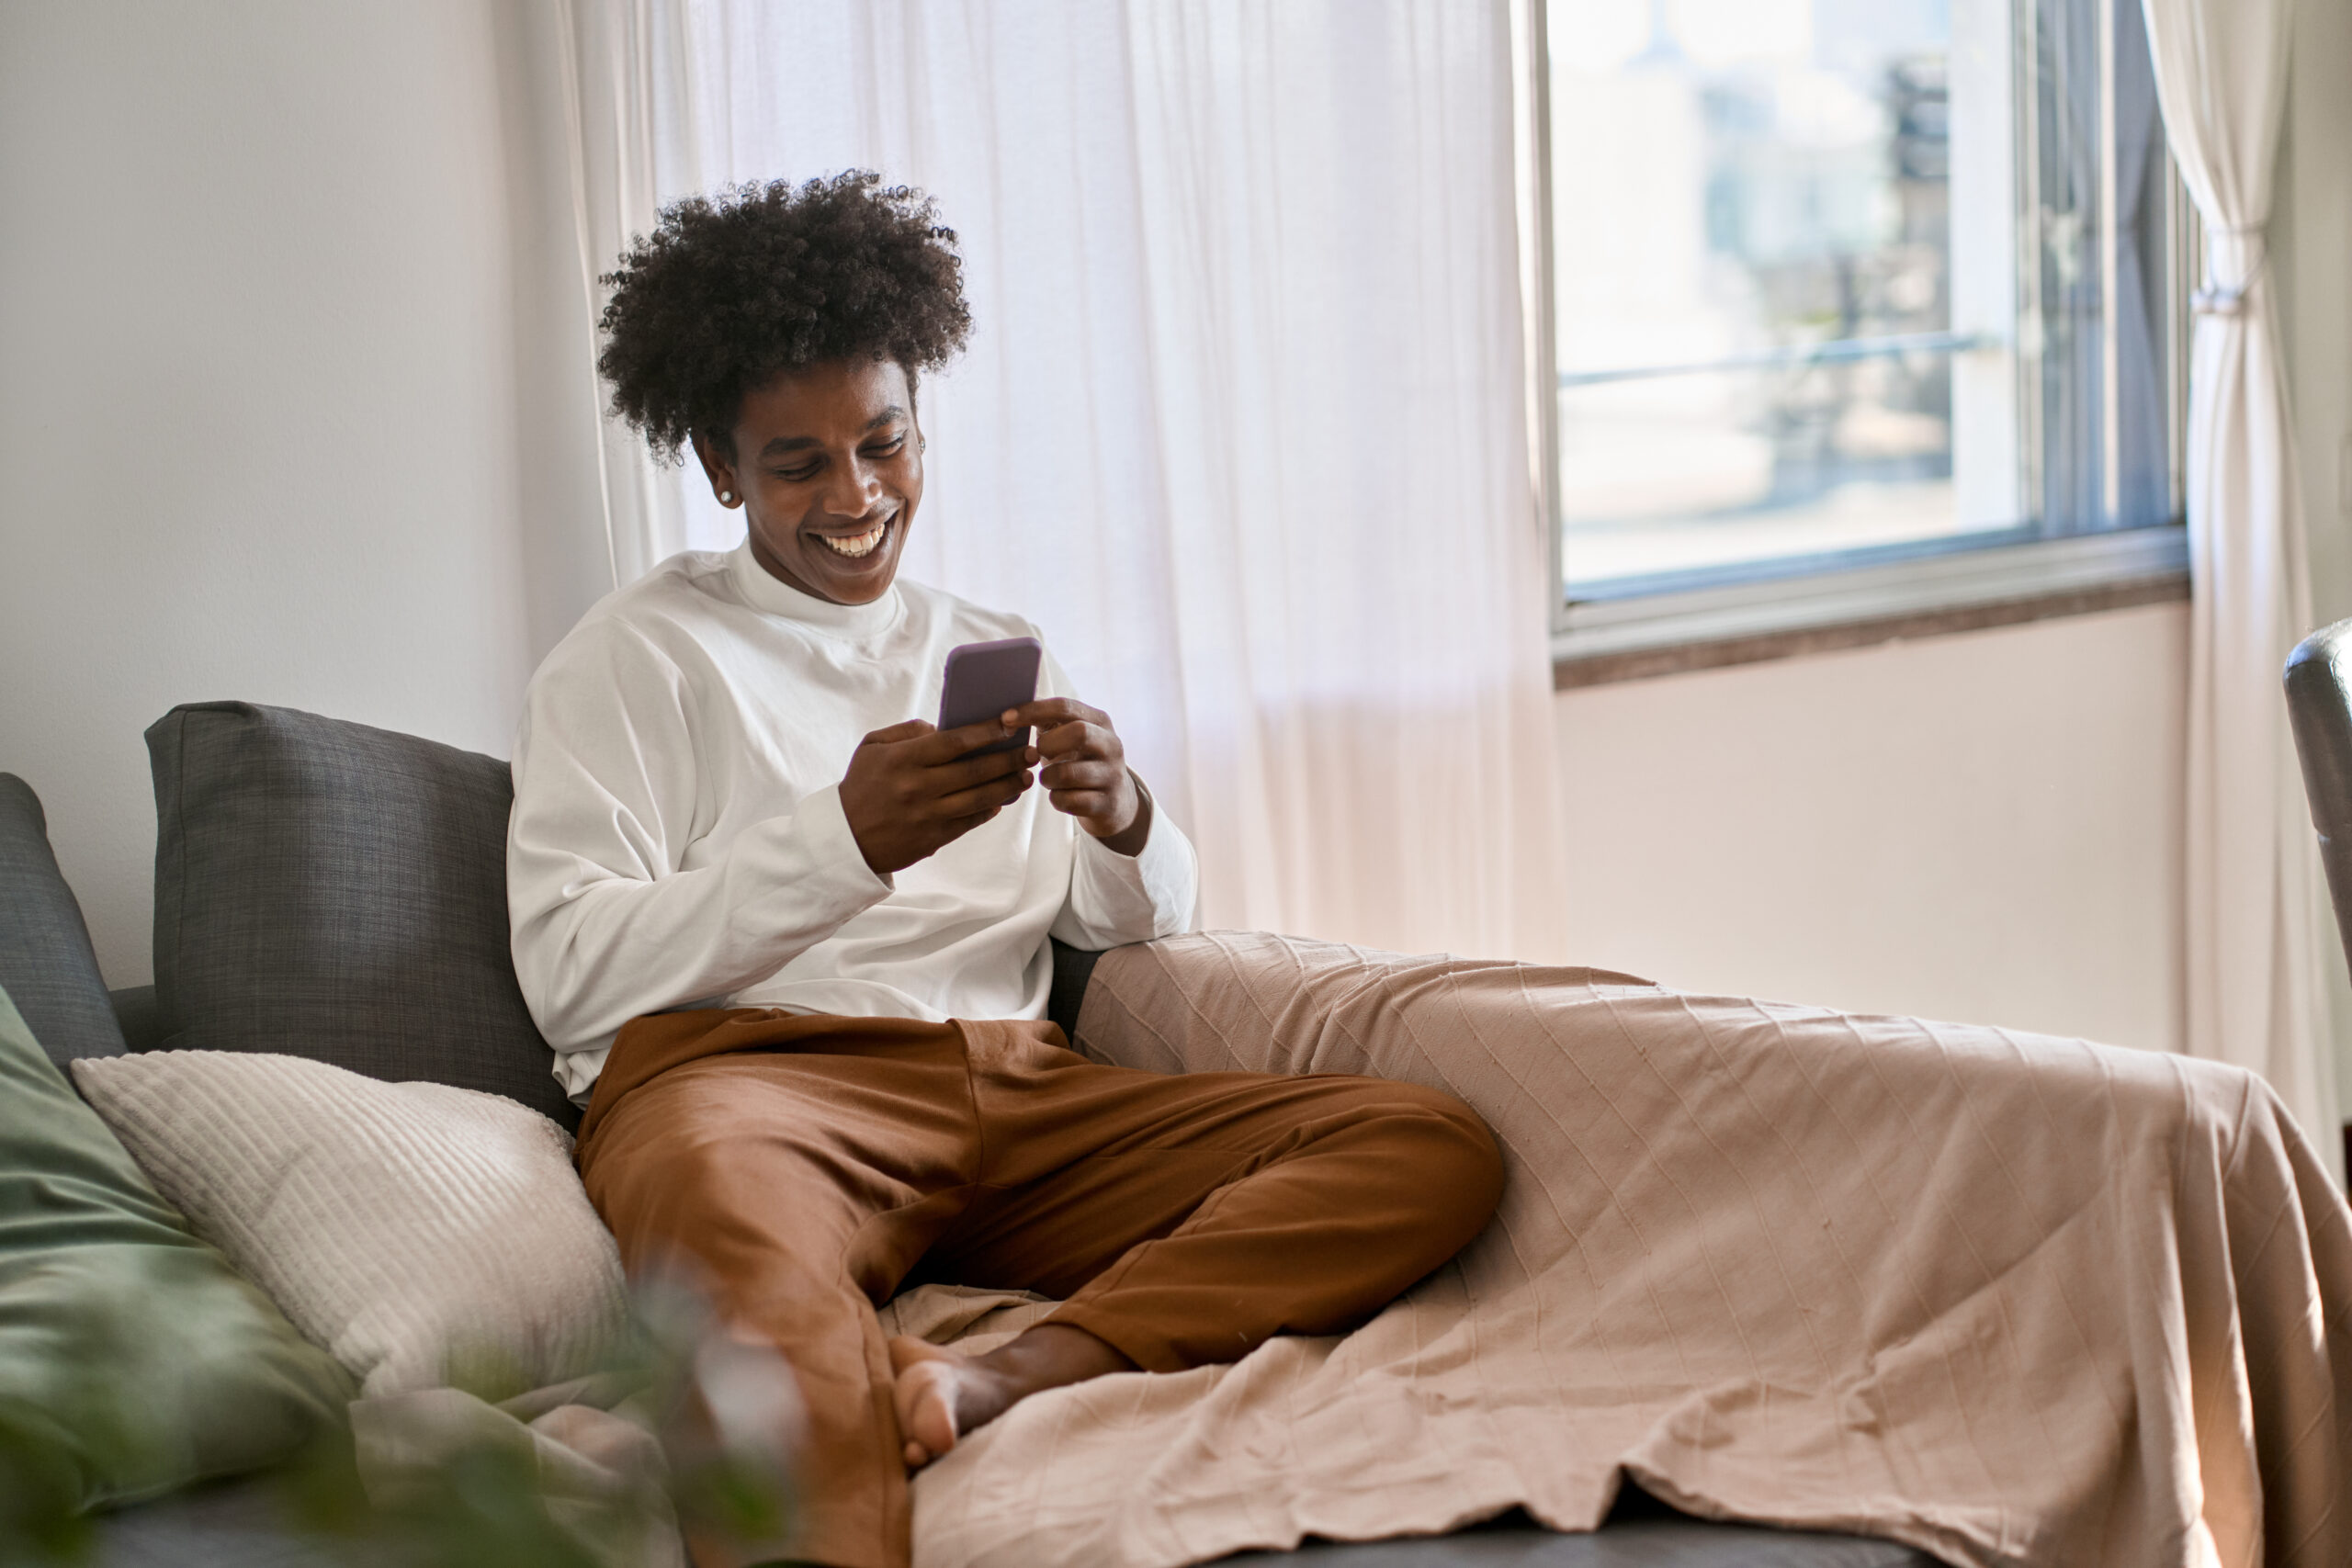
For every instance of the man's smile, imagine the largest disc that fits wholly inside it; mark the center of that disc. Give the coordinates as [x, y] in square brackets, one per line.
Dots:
[862, 544]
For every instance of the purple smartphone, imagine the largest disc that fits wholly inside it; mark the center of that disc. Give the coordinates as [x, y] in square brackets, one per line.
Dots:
[986, 678]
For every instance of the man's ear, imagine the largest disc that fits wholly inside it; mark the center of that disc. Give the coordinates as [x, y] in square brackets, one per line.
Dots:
[721, 470]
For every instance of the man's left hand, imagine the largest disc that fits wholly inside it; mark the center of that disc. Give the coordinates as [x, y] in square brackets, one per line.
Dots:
[1086, 772]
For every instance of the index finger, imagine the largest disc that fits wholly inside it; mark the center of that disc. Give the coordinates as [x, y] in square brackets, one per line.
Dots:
[949, 744]
[891, 735]
[1048, 712]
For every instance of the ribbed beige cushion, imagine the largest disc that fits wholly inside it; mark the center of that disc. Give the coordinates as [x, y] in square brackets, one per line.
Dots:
[411, 1229]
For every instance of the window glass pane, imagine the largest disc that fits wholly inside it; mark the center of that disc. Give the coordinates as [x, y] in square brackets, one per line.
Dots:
[2081, 171]
[1829, 285]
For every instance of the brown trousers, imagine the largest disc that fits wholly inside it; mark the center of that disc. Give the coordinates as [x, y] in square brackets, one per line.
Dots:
[802, 1164]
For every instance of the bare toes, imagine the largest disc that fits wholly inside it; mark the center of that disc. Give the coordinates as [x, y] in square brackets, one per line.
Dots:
[924, 1398]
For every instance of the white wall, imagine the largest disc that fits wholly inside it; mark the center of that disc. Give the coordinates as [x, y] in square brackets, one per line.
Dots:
[1983, 827]
[257, 393]
[2312, 255]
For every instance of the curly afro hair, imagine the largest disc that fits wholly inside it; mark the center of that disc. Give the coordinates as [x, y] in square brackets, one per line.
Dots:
[729, 291]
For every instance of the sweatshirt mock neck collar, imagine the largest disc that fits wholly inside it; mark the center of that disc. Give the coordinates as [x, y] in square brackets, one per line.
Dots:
[773, 596]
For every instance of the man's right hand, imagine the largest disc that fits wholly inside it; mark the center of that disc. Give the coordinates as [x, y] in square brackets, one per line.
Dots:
[913, 789]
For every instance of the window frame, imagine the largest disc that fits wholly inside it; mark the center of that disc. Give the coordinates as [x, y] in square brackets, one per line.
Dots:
[1780, 608]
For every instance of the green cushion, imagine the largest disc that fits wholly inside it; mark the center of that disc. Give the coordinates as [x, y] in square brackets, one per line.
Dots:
[132, 1359]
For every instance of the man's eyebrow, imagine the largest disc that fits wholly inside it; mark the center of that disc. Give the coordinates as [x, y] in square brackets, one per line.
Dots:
[780, 446]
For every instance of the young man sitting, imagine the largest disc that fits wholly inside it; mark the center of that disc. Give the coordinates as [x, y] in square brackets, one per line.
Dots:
[790, 941]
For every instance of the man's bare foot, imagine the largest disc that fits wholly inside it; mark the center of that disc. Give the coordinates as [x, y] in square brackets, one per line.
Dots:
[926, 1392]
[941, 1395]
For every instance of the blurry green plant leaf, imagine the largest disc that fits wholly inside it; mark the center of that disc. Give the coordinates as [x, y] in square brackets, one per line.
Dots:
[725, 1409]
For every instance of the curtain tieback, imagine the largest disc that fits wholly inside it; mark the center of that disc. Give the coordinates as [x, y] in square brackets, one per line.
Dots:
[2213, 300]
[2229, 253]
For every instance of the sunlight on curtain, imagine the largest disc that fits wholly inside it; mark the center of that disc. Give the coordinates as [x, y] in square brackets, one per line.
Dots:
[1242, 427]
[2254, 919]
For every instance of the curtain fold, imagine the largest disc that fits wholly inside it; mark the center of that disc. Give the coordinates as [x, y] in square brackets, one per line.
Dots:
[1243, 423]
[620, 70]
[2253, 936]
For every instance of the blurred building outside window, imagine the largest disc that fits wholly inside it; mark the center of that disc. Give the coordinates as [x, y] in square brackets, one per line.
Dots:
[1843, 282]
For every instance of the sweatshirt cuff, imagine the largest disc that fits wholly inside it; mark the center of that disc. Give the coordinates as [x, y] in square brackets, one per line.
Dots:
[1157, 881]
[838, 863]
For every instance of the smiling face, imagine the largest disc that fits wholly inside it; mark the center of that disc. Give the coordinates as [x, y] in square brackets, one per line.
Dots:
[828, 467]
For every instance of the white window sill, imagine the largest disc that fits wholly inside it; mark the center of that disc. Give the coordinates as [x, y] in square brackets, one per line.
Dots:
[1625, 640]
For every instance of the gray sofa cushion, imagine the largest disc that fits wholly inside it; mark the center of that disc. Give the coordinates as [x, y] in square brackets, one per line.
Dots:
[1640, 1542]
[135, 1011]
[46, 964]
[329, 890]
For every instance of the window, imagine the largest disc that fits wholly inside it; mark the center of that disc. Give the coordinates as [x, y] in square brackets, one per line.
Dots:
[1858, 308]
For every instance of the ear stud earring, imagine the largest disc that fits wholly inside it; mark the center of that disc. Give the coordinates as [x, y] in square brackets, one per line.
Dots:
[726, 498]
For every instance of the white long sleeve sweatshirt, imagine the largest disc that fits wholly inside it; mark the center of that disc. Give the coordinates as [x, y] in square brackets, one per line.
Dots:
[677, 835]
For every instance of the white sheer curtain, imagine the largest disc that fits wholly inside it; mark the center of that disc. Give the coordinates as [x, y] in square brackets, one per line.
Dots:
[1242, 427]
[2254, 937]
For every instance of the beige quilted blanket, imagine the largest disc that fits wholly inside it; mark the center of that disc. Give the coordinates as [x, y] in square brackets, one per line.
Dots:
[2007, 1298]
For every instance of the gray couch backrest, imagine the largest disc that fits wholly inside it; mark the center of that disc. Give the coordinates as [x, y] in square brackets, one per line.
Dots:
[46, 963]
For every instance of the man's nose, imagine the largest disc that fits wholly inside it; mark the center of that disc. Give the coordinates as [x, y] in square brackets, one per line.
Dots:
[854, 489]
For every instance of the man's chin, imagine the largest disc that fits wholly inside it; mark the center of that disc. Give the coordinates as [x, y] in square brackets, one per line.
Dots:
[818, 571]
[861, 587]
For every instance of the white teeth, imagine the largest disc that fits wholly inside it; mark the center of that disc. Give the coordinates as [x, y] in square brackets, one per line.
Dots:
[858, 544]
